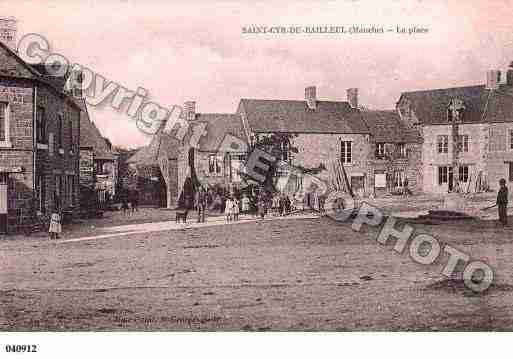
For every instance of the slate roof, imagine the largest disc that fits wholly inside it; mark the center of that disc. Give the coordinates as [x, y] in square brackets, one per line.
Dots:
[481, 104]
[386, 126]
[31, 72]
[56, 81]
[295, 117]
[162, 144]
[218, 125]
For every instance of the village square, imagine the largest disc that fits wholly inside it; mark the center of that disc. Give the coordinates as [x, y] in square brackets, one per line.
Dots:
[189, 232]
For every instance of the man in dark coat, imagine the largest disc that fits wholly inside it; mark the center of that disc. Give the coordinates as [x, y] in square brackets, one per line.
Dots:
[502, 202]
[201, 204]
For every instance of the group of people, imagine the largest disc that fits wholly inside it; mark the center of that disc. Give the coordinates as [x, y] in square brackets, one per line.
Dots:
[130, 201]
[231, 209]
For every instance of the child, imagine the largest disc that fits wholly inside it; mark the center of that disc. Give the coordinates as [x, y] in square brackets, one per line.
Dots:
[261, 207]
[55, 225]
[228, 209]
[235, 205]
[245, 204]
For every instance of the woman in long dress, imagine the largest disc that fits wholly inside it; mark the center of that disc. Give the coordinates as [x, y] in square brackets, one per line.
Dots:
[228, 209]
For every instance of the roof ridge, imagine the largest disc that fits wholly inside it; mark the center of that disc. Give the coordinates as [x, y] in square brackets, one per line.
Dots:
[443, 89]
[290, 100]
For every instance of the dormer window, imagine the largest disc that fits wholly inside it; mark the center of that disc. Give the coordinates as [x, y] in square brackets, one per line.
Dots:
[455, 110]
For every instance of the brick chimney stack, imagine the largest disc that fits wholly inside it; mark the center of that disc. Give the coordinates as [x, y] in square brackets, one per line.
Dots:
[8, 32]
[311, 97]
[190, 110]
[352, 97]
[493, 78]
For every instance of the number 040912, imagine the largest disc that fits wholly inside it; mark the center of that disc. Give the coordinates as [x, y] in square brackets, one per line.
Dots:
[21, 348]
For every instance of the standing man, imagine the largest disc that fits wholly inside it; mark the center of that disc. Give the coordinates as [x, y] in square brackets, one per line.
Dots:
[502, 202]
[201, 204]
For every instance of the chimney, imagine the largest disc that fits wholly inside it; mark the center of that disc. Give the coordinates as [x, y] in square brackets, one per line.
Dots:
[190, 110]
[493, 78]
[311, 97]
[352, 97]
[509, 75]
[8, 32]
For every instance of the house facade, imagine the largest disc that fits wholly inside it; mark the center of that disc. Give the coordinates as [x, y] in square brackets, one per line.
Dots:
[214, 159]
[373, 146]
[467, 134]
[394, 155]
[39, 144]
[218, 155]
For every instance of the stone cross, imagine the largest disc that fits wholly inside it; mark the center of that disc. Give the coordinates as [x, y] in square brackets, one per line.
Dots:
[456, 107]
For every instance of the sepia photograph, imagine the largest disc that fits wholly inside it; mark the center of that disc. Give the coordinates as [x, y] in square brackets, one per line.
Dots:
[245, 167]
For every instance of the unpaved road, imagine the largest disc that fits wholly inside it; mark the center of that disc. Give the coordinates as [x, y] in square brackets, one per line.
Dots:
[276, 275]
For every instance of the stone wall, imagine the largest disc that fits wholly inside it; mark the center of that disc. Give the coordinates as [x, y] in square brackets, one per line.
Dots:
[316, 149]
[431, 159]
[17, 149]
[62, 161]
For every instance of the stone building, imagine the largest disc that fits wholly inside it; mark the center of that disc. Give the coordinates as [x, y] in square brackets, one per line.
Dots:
[162, 167]
[372, 145]
[154, 171]
[39, 144]
[467, 134]
[219, 153]
[394, 154]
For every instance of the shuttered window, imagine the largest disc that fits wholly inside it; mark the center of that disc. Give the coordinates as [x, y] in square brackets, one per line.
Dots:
[346, 154]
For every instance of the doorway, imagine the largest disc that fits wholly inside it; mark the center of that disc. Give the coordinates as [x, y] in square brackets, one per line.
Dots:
[358, 184]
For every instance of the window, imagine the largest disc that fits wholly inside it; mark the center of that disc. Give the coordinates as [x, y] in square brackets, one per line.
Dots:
[511, 139]
[463, 173]
[463, 143]
[380, 150]
[4, 123]
[401, 150]
[511, 171]
[215, 164]
[236, 167]
[443, 144]
[443, 174]
[41, 126]
[346, 151]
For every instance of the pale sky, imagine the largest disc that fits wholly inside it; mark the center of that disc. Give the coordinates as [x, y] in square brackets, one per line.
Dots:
[195, 50]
